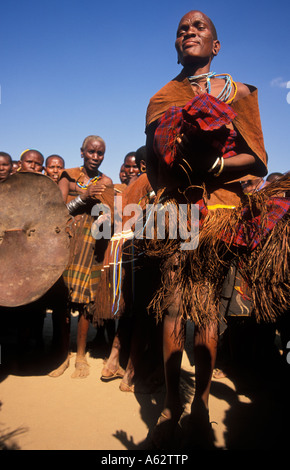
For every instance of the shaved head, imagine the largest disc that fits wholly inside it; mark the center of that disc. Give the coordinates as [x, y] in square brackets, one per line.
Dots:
[208, 20]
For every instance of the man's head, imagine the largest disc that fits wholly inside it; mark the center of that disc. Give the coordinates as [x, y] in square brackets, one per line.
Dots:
[196, 41]
[54, 164]
[130, 165]
[93, 152]
[273, 176]
[253, 185]
[5, 165]
[123, 175]
[31, 160]
[140, 158]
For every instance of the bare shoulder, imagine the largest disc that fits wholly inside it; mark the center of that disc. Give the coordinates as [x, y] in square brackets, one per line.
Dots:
[63, 181]
[106, 180]
[242, 90]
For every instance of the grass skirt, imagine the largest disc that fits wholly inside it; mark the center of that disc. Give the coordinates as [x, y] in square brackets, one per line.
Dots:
[254, 235]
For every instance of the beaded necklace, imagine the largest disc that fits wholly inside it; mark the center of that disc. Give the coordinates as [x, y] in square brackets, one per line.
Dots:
[91, 180]
[227, 89]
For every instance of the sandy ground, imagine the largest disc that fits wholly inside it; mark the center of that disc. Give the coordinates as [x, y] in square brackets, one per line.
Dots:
[248, 410]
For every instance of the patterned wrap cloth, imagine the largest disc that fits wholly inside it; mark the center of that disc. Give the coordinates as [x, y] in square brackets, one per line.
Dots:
[86, 261]
[203, 114]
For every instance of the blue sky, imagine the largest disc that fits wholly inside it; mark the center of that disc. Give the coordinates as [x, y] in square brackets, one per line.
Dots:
[73, 68]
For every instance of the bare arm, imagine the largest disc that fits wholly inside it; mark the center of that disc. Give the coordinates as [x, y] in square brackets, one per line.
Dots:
[151, 160]
[241, 165]
[64, 187]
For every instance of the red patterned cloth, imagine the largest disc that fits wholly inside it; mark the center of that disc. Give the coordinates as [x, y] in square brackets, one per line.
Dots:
[250, 231]
[252, 228]
[203, 114]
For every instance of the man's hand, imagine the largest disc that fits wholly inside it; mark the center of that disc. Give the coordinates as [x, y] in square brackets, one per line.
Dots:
[93, 192]
[198, 152]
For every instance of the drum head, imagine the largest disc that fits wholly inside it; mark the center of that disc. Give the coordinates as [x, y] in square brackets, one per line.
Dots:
[34, 240]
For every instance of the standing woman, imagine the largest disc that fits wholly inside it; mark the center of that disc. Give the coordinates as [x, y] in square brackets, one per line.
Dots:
[203, 137]
[81, 187]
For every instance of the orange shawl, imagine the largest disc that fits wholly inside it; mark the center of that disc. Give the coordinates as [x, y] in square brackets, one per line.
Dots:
[247, 123]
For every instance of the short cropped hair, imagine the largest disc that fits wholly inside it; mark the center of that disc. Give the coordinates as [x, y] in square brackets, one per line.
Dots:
[273, 176]
[31, 150]
[4, 154]
[92, 137]
[54, 156]
[130, 154]
[140, 155]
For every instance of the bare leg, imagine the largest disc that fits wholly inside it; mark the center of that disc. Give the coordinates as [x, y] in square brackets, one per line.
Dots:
[137, 348]
[127, 384]
[205, 350]
[200, 434]
[81, 365]
[61, 331]
[173, 345]
[110, 327]
[112, 368]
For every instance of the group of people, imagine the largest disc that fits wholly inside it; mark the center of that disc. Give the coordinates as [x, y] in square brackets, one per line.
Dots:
[204, 145]
[80, 188]
[33, 160]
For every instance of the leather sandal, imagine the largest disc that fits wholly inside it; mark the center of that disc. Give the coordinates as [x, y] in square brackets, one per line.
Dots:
[118, 374]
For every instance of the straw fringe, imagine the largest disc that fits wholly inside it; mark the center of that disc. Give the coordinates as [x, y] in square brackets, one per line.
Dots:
[115, 289]
[266, 272]
[198, 275]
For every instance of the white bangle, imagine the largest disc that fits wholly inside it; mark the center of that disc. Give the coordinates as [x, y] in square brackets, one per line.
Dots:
[214, 165]
[221, 167]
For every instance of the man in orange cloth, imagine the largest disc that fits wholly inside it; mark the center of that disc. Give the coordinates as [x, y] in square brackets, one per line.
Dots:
[203, 137]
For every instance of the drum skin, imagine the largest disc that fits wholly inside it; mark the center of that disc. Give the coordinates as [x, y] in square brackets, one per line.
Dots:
[34, 237]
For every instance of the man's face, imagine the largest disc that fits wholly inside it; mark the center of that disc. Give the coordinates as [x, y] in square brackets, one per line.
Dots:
[123, 175]
[131, 168]
[195, 38]
[5, 168]
[32, 161]
[54, 168]
[93, 155]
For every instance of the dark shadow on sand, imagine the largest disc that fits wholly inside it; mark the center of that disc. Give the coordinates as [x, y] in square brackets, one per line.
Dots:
[258, 422]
